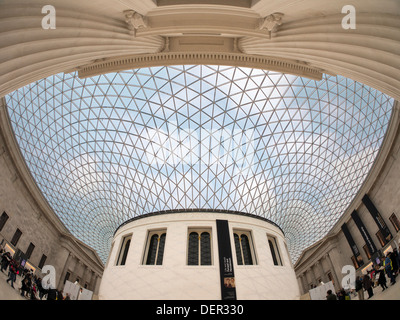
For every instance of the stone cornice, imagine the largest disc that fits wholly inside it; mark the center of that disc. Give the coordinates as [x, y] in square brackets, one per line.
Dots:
[219, 58]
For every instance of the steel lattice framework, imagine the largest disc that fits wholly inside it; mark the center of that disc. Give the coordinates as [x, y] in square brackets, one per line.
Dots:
[111, 147]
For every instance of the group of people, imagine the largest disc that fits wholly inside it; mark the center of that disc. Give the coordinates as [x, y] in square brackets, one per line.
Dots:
[386, 268]
[31, 285]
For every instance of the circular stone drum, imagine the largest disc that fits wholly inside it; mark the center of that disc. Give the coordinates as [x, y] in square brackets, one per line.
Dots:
[199, 254]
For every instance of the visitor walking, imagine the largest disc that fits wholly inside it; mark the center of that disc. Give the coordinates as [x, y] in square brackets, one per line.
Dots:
[5, 260]
[13, 272]
[381, 277]
[359, 288]
[367, 284]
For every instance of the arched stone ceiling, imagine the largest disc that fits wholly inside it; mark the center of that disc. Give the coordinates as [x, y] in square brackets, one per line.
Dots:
[311, 32]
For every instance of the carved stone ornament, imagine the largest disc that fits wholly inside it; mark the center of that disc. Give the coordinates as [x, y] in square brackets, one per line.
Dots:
[271, 22]
[135, 21]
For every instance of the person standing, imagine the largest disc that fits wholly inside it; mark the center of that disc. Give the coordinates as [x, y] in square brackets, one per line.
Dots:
[13, 271]
[359, 288]
[380, 273]
[330, 295]
[5, 261]
[389, 269]
[26, 285]
[395, 261]
[367, 284]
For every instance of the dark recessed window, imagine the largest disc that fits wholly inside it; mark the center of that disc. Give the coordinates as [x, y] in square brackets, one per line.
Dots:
[273, 246]
[244, 248]
[156, 244]
[42, 261]
[29, 250]
[199, 248]
[395, 221]
[123, 252]
[16, 237]
[3, 220]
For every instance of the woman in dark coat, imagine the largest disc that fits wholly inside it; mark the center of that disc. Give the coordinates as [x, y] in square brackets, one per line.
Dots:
[367, 284]
[380, 274]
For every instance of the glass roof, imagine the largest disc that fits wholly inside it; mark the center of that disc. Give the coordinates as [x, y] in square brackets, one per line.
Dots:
[111, 147]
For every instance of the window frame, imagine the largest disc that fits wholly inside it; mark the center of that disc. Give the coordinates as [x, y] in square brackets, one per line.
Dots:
[123, 252]
[42, 261]
[199, 231]
[29, 250]
[16, 237]
[252, 251]
[380, 238]
[277, 252]
[3, 220]
[150, 234]
[367, 253]
[395, 221]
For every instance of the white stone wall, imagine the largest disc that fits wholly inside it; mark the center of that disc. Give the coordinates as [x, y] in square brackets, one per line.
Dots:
[174, 279]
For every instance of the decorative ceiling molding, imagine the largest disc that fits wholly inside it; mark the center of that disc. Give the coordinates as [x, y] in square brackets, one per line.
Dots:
[271, 22]
[174, 58]
[135, 21]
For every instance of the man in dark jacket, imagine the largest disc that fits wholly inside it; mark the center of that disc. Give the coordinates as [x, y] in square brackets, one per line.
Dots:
[367, 284]
[51, 294]
[13, 272]
[5, 261]
[330, 295]
[359, 288]
[395, 261]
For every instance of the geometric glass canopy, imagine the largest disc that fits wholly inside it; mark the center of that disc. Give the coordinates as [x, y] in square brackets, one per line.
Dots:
[112, 147]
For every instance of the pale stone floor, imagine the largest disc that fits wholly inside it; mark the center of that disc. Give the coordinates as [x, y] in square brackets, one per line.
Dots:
[8, 293]
[391, 293]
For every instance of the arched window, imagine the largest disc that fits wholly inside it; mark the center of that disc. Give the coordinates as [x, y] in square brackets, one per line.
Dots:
[238, 249]
[155, 251]
[205, 245]
[246, 250]
[123, 252]
[273, 246]
[193, 250]
[199, 248]
[243, 247]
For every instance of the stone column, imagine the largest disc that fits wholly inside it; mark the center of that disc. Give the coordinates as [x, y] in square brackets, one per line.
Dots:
[92, 280]
[321, 270]
[335, 278]
[303, 283]
[64, 272]
[313, 278]
[85, 277]
[96, 284]
[309, 279]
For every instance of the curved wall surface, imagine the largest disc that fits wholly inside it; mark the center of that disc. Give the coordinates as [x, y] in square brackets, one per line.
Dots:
[178, 276]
